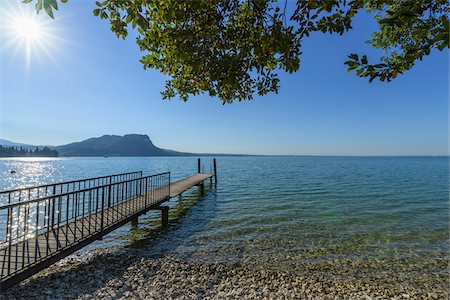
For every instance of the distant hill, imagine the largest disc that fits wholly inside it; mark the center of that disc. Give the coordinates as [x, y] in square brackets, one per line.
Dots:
[13, 144]
[7, 143]
[115, 145]
[16, 151]
[109, 145]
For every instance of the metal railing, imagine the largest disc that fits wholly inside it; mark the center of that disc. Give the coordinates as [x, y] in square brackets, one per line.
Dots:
[34, 230]
[34, 192]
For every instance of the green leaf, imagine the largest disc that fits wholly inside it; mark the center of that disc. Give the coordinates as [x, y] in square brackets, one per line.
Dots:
[48, 9]
[379, 65]
[372, 77]
[353, 56]
[54, 4]
[364, 60]
[38, 5]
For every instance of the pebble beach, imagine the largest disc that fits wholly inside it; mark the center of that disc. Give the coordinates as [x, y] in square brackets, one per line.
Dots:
[131, 274]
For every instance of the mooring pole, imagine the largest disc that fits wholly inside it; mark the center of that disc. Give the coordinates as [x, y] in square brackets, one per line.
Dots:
[215, 172]
[198, 166]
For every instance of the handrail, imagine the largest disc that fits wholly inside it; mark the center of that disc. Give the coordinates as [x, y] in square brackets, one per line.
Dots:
[67, 182]
[34, 230]
[34, 192]
[10, 205]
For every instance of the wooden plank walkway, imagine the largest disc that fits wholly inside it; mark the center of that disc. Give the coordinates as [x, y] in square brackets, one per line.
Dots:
[180, 186]
[22, 258]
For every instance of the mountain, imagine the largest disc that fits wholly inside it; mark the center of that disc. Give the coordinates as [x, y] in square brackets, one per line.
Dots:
[13, 144]
[7, 143]
[115, 145]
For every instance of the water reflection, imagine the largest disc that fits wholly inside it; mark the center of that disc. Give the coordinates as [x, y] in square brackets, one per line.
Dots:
[28, 172]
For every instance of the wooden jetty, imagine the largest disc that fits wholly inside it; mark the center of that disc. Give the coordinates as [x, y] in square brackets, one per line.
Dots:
[44, 224]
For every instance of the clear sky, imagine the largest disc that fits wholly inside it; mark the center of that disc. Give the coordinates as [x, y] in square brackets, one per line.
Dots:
[83, 82]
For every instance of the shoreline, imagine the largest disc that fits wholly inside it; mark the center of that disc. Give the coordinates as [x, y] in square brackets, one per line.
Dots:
[137, 273]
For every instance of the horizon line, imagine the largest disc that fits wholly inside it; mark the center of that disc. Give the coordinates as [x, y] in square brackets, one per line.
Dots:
[232, 154]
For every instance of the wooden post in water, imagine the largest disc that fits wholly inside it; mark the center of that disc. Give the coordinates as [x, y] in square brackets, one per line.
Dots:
[215, 172]
[202, 188]
[164, 215]
[198, 166]
[134, 223]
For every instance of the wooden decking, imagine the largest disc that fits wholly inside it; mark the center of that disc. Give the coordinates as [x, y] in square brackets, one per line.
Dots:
[21, 258]
[180, 186]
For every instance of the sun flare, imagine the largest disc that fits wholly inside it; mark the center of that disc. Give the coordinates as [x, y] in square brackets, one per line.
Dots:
[27, 33]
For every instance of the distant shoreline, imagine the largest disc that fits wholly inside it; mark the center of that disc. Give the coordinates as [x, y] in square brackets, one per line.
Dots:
[233, 155]
[140, 145]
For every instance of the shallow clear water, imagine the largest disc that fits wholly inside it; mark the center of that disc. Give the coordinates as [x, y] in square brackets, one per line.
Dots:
[284, 211]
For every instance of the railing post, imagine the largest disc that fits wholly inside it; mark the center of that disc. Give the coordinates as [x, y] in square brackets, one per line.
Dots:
[102, 214]
[198, 166]
[169, 185]
[215, 171]
[136, 189]
[53, 206]
[109, 195]
[10, 215]
[8, 234]
[152, 194]
[146, 192]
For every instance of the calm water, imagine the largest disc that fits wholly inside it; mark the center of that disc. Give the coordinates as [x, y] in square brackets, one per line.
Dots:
[285, 212]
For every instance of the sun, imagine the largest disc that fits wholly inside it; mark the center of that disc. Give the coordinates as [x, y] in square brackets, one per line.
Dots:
[30, 34]
[28, 28]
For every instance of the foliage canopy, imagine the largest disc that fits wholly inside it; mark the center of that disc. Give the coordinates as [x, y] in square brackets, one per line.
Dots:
[233, 49]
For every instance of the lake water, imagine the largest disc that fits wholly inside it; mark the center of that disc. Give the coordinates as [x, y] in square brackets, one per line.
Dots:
[350, 216]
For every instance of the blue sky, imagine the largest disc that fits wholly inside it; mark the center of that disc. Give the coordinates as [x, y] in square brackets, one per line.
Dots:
[92, 83]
